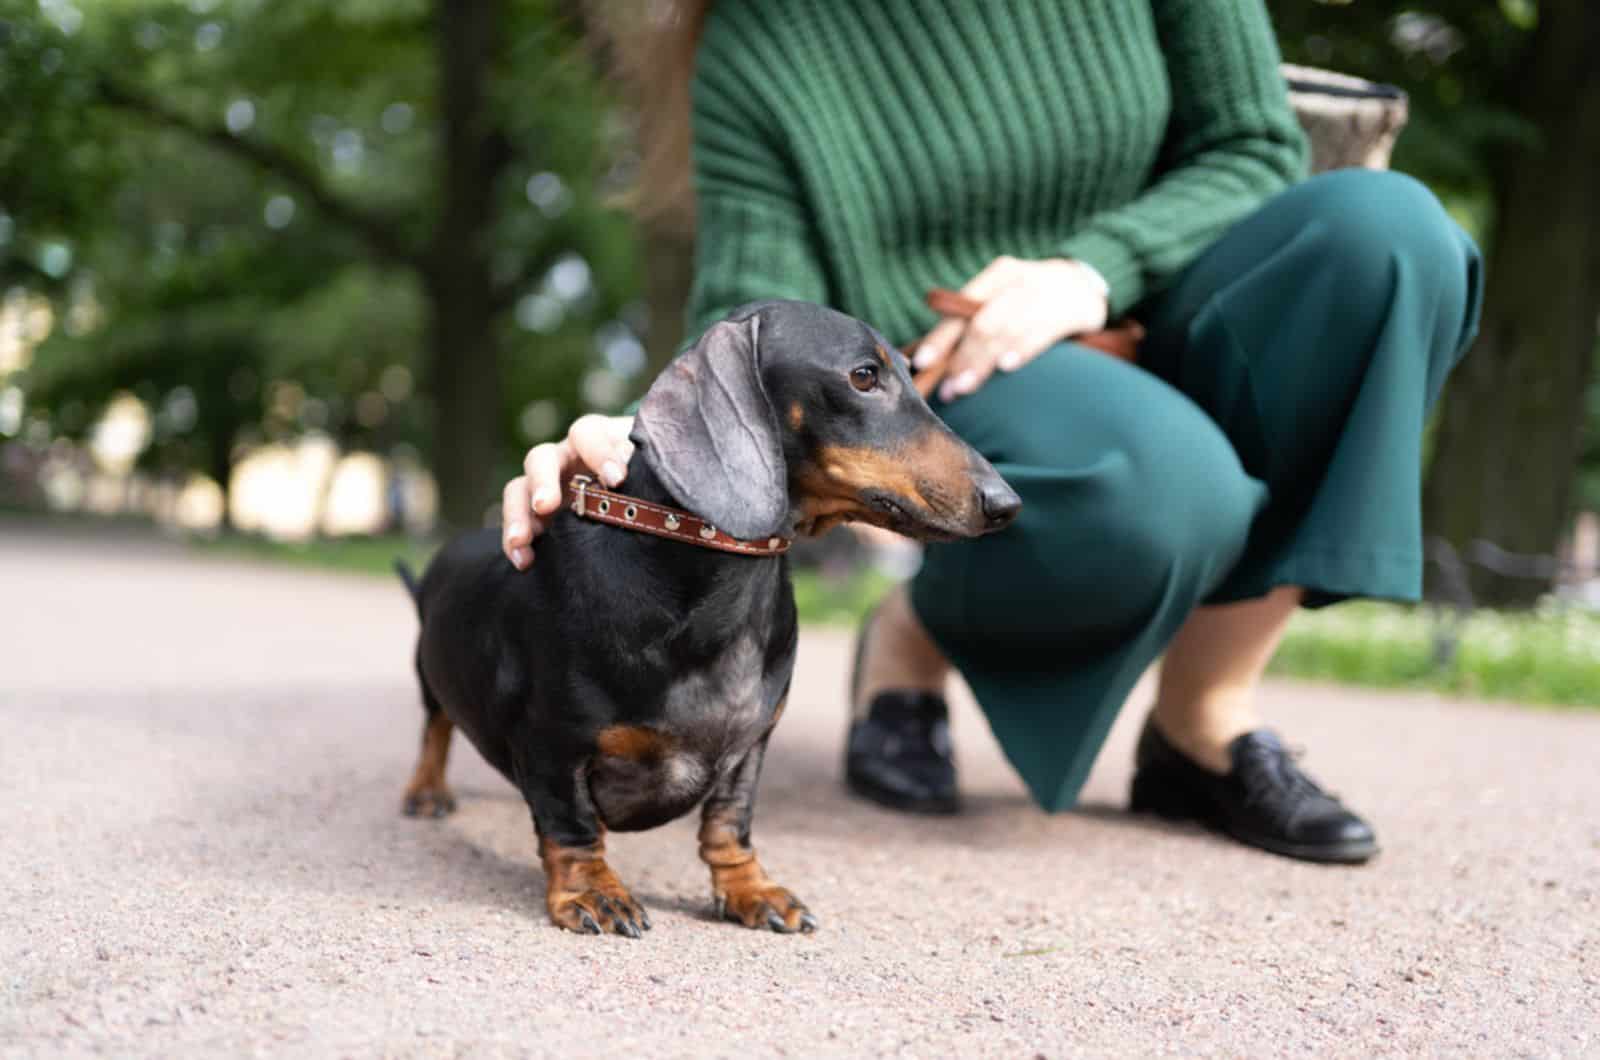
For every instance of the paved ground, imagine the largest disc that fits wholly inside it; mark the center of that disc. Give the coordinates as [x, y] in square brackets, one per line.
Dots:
[201, 764]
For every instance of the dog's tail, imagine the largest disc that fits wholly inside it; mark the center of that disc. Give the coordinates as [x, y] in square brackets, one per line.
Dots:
[402, 568]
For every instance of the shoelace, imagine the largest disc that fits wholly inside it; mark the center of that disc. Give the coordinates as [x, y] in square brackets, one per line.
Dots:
[1273, 780]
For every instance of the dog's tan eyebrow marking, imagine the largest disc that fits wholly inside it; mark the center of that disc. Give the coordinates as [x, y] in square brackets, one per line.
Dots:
[797, 416]
[883, 355]
[633, 742]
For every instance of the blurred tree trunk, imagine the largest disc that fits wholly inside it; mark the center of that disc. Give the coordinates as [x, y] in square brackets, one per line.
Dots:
[1510, 434]
[462, 356]
[669, 273]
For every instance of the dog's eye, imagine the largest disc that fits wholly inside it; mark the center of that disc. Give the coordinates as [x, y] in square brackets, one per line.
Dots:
[864, 378]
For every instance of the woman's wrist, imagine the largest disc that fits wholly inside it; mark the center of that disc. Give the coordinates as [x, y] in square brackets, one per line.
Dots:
[1084, 285]
[1094, 276]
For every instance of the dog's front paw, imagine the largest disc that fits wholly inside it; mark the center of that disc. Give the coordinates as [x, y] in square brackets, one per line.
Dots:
[607, 907]
[582, 894]
[761, 903]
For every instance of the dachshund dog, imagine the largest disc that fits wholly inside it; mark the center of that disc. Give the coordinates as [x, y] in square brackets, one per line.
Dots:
[638, 668]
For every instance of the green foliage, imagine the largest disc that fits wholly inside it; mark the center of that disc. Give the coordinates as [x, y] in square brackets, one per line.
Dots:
[229, 197]
[1458, 60]
[1549, 656]
[371, 556]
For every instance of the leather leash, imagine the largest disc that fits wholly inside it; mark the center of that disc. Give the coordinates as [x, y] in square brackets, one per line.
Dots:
[590, 501]
[1120, 341]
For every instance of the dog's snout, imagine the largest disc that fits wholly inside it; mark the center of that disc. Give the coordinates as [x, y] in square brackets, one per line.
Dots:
[1000, 503]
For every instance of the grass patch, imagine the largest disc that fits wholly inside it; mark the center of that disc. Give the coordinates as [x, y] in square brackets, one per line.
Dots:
[359, 555]
[821, 599]
[1549, 656]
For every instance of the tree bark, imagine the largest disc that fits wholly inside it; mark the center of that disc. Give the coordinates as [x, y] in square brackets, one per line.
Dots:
[1510, 435]
[669, 274]
[464, 365]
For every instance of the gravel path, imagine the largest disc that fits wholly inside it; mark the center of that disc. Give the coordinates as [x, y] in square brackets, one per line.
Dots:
[202, 763]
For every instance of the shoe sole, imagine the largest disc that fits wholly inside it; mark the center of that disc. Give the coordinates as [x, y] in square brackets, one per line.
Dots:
[1163, 804]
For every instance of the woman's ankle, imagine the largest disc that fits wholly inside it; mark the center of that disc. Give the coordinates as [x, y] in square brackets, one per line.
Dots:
[1204, 730]
[898, 653]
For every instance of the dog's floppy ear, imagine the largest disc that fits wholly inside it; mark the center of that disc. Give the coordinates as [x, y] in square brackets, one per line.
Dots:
[708, 430]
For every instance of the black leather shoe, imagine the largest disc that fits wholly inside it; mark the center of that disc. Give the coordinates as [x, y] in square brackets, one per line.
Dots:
[1266, 801]
[899, 754]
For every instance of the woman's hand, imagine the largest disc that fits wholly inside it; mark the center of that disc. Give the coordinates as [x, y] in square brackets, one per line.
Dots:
[1028, 306]
[595, 444]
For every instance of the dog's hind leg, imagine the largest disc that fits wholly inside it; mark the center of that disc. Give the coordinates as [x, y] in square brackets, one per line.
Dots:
[427, 795]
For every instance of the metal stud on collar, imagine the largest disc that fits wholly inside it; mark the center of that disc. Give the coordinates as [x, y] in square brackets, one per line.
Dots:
[672, 522]
[708, 531]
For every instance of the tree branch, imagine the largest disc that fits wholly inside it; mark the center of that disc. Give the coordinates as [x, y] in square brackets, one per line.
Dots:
[377, 230]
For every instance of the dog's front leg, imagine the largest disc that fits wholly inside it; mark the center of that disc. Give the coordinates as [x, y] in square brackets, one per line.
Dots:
[742, 891]
[581, 892]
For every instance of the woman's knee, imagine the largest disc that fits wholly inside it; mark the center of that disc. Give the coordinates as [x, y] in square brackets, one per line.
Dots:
[1182, 502]
[1163, 508]
[1374, 224]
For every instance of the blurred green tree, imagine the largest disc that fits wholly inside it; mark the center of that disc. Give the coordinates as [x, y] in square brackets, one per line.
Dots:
[263, 217]
[1506, 122]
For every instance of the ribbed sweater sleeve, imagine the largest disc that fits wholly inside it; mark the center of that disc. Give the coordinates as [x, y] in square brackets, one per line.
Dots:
[754, 236]
[1232, 142]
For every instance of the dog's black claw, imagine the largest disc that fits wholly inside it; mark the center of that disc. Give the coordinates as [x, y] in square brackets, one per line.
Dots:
[720, 904]
[589, 926]
[775, 922]
[644, 919]
[628, 928]
[441, 808]
[410, 808]
[808, 923]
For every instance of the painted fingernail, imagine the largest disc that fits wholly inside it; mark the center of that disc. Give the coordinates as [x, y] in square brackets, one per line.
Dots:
[925, 356]
[545, 499]
[520, 558]
[1010, 361]
[611, 473]
[966, 382]
[516, 531]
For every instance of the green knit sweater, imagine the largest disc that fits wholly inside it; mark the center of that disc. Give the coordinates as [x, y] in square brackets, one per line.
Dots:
[859, 152]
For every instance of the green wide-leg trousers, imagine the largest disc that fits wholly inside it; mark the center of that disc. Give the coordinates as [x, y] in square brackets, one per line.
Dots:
[1271, 435]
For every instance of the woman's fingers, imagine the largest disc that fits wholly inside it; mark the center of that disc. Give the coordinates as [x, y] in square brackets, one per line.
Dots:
[938, 343]
[546, 468]
[517, 523]
[601, 444]
[999, 274]
[952, 332]
[596, 444]
[971, 364]
[1022, 326]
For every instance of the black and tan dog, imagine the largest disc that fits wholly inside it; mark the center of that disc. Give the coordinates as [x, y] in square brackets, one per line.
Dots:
[628, 676]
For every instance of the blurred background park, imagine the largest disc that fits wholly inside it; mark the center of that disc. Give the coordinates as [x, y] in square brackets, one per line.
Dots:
[305, 278]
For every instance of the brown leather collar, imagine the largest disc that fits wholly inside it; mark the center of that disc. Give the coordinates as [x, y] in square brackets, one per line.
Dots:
[591, 501]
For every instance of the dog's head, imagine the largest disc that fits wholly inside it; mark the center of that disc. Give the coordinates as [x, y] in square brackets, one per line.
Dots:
[789, 417]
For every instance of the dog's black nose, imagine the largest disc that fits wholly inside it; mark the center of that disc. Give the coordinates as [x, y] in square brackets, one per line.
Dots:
[1000, 503]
